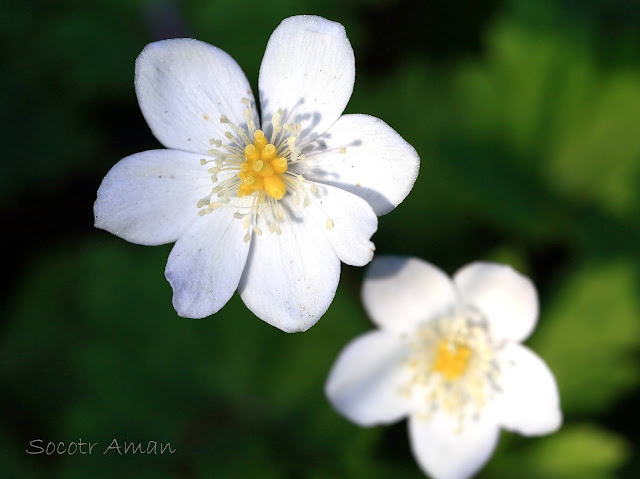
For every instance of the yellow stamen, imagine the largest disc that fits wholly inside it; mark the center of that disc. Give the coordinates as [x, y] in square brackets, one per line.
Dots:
[258, 183]
[274, 186]
[279, 165]
[451, 360]
[251, 153]
[268, 153]
[261, 162]
[259, 140]
[266, 170]
[244, 190]
[259, 168]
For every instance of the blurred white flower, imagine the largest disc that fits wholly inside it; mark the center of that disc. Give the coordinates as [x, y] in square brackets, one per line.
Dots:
[269, 212]
[447, 355]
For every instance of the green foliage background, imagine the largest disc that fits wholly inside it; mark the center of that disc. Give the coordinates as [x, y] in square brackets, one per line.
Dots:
[526, 115]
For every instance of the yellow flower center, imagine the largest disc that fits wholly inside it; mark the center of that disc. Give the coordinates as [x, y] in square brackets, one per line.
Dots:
[263, 169]
[452, 359]
[451, 366]
[252, 173]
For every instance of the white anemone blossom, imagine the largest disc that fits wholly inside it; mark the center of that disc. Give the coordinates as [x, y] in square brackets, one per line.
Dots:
[268, 208]
[447, 356]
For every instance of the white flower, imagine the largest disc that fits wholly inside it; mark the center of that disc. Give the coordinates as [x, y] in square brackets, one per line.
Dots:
[268, 212]
[447, 355]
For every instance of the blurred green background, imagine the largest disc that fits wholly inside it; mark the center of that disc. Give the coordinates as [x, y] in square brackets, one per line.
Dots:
[526, 115]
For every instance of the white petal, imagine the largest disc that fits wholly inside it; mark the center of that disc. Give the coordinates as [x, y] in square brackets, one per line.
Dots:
[308, 70]
[290, 279]
[507, 299]
[206, 264]
[151, 197]
[364, 382]
[376, 164]
[347, 221]
[529, 403]
[400, 292]
[445, 452]
[183, 86]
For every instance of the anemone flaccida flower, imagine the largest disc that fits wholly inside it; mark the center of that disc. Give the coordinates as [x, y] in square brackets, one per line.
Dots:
[447, 356]
[269, 208]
